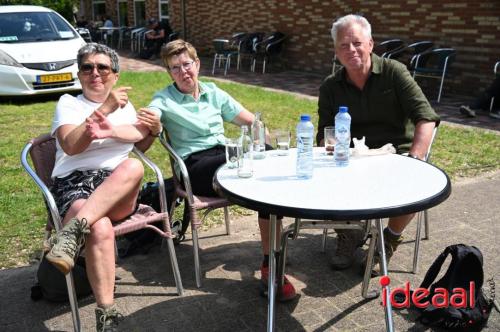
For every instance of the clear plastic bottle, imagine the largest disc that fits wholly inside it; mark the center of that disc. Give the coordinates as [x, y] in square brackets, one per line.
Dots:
[342, 137]
[305, 134]
[259, 137]
[245, 154]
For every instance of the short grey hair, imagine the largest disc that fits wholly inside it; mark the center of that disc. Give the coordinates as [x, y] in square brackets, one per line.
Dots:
[347, 20]
[95, 48]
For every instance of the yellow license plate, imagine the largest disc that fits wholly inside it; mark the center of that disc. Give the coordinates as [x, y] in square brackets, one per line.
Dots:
[54, 78]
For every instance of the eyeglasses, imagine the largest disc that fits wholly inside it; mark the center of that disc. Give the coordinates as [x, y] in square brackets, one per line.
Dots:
[177, 69]
[102, 69]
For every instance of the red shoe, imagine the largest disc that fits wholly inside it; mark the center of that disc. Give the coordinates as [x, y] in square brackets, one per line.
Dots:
[287, 290]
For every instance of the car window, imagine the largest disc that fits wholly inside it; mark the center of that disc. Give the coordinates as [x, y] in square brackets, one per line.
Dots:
[33, 26]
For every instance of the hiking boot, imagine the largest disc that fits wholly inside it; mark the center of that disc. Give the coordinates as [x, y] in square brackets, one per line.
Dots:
[391, 243]
[66, 244]
[106, 320]
[287, 292]
[348, 240]
[467, 111]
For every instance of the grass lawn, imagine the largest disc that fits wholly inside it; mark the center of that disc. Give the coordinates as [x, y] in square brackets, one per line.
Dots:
[460, 152]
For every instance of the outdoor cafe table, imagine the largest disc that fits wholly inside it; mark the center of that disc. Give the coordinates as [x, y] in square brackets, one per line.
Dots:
[370, 187]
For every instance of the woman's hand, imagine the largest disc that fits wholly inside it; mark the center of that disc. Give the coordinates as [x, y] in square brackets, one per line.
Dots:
[99, 127]
[117, 98]
[151, 120]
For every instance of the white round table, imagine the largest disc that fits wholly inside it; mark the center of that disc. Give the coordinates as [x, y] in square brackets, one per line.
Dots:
[370, 187]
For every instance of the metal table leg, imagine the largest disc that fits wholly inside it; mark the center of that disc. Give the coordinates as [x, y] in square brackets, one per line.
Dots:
[383, 261]
[271, 291]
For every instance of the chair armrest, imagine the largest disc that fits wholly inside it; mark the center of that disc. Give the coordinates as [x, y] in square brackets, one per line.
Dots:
[159, 177]
[47, 195]
[176, 159]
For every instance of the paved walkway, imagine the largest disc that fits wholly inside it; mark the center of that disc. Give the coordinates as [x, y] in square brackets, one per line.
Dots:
[229, 299]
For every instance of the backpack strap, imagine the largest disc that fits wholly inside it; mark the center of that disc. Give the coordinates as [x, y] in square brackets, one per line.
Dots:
[433, 271]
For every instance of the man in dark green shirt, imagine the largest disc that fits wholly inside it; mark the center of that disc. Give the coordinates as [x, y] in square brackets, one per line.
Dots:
[386, 106]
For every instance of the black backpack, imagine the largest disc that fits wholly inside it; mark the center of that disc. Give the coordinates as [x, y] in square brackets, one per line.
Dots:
[466, 266]
[51, 283]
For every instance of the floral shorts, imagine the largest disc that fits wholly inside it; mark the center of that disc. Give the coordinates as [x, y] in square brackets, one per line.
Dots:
[77, 185]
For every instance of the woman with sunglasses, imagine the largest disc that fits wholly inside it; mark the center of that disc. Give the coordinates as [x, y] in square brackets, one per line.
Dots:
[95, 182]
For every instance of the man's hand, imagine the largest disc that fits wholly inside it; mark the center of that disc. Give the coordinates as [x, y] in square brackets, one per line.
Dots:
[117, 98]
[151, 120]
[99, 127]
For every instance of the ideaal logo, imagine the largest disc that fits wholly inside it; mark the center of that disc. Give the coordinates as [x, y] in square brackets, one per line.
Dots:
[419, 296]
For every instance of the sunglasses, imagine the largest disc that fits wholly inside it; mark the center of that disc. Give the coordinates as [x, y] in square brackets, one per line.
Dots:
[88, 68]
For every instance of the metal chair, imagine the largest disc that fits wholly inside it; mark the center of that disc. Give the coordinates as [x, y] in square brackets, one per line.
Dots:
[247, 47]
[41, 151]
[270, 47]
[134, 39]
[336, 65]
[408, 54]
[223, 53]
[496, 71]
[194, 204]
[387, 46]
[434, 64]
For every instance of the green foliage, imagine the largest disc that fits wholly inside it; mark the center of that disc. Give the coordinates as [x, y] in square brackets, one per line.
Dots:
[63, 7]
[460, 152]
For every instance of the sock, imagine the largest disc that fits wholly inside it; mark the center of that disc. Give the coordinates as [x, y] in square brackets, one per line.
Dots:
[393, 232]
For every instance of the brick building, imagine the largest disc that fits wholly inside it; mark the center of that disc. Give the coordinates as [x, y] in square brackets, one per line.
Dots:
[471, 27]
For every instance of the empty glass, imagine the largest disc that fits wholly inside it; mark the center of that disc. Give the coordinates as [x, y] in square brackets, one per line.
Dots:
[329, 140]
[232, 152]
[282, 142]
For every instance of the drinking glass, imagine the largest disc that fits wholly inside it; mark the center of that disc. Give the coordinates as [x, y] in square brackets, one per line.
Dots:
[282, 142]
[329, 140]
[232, 152]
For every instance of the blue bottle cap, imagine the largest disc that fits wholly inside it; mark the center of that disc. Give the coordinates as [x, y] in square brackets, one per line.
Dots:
[343, 109]
[305, 117]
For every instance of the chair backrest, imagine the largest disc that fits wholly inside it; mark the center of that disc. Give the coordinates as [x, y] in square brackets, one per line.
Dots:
[173, 36]
[274, 43]
[387, 46]
[220, 45]
[496, 69]
[248, 43]
[435, 61]
[43, 156]
[407, 55]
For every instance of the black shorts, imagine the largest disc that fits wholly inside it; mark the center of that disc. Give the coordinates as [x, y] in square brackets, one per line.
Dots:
[202, 166]
[77, 185]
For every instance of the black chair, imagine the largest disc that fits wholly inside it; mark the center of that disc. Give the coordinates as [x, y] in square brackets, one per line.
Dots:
[172, 36]
[407, 55]
[223, 53]
[388, 46]
[85, 33]
[247, 47]
[434, 64]
[270, 47]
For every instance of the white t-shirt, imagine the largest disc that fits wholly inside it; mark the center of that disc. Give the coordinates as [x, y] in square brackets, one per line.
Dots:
[101, 153]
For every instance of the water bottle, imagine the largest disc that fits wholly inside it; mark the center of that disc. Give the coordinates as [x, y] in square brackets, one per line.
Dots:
[245, 154]
[305, 133]
[342, 137]
[258, 137]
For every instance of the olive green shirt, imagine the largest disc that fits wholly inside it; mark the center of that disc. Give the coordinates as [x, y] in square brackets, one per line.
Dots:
[385, 111]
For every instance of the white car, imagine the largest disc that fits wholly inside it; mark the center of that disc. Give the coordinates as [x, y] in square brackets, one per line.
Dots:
[38, 49]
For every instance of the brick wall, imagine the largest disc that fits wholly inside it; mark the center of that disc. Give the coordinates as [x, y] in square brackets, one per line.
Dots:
[471, 27]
